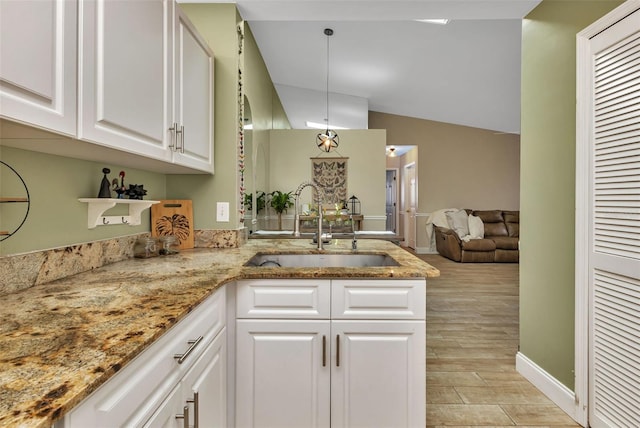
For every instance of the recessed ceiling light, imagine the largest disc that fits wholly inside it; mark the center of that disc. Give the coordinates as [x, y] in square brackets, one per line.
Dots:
[442, 21]
[316, 125]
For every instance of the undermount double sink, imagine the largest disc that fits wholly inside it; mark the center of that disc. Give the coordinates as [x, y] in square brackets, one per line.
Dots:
[321, 260]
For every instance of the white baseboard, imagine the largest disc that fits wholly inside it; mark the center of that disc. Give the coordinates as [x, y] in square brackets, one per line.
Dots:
[425, 250]
[562, 396]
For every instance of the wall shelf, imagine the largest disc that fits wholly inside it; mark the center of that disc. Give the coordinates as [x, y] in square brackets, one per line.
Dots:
[97, 207]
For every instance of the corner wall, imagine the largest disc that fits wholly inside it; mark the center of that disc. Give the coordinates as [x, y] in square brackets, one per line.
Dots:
[217, 23]
[547, 183]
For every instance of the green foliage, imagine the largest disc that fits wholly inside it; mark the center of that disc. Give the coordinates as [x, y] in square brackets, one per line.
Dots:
[281, 201]
[248, 201]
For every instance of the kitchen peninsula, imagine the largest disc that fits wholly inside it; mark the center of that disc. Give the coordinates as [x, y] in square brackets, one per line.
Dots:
[60, 341]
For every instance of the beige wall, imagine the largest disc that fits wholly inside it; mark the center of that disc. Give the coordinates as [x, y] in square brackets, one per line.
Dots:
[458, 166]
[547, 222]
[290, 165]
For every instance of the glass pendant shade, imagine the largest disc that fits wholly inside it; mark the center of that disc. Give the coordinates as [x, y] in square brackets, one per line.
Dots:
[327, 140]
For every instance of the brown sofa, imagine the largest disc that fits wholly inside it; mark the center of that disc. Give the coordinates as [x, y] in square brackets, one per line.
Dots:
[500, 243]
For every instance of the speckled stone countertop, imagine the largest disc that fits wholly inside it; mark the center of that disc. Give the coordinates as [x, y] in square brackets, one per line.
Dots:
[61, 340]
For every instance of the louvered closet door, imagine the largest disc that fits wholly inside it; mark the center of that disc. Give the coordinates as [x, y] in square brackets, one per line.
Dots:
[614, 360]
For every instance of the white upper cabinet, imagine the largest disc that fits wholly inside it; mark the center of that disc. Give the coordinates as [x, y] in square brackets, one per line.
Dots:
[125, 82]
[193, 97]
[130, 81]
[38, 63]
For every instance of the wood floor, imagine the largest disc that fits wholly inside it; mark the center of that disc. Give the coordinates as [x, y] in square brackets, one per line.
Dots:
[472, 340]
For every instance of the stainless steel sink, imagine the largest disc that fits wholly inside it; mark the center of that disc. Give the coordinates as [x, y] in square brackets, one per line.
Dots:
[321, 260]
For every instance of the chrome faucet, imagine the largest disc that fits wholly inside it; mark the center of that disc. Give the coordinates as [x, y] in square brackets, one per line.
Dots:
[296, 221]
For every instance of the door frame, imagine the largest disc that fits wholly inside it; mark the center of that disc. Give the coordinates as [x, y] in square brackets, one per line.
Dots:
[406, 196]
[397, 200]
[584, 125]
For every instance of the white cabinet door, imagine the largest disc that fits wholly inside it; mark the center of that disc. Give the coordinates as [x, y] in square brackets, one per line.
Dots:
[170, 414]
[282, 373]
[378, 374]
[204, 388]
[38, 63]
[125, 82]
[193, 105]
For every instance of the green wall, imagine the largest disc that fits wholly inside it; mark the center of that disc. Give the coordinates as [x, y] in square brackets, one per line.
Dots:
[547, 181]
[56, 217]
[290, 165]
[217, 23]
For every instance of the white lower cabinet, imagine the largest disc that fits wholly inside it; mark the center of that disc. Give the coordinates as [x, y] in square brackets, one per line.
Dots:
[283, 372]
[159, 383]
[379, 380]
[200, 398]
[318, 370]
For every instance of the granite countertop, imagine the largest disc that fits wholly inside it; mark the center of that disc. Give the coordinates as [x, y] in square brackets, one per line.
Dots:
[61, 340]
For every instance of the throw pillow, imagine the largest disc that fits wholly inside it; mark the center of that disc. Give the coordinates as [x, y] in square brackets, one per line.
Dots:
[476, 227]
[458, 222]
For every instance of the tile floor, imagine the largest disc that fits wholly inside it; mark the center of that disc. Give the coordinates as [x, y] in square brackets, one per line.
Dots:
[472, 340]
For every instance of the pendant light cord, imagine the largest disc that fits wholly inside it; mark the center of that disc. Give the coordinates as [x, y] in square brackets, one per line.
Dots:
[329, 33]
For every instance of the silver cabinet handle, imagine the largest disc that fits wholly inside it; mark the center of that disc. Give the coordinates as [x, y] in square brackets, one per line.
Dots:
[324, 351]
[193, 343]
[196, 412]
[184, 416]
[182, 139]
[174, 138]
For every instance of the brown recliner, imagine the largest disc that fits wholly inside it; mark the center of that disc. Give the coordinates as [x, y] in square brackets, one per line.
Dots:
[500, 242]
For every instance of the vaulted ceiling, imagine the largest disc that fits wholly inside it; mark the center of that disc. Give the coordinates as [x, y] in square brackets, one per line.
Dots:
[382, 59]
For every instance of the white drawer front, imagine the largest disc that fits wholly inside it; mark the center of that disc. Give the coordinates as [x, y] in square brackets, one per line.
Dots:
[284, 298]
[378, 299]
[141, 384]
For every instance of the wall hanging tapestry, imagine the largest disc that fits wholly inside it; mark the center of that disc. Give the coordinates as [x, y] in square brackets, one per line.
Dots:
[330, 174]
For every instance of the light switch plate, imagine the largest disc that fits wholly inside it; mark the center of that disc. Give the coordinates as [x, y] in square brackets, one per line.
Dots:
[222, 211]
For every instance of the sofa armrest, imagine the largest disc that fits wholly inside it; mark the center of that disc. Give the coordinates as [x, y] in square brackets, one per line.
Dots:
[448, 243]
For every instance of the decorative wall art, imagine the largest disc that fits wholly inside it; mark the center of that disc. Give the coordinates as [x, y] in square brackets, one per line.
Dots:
[330, 174]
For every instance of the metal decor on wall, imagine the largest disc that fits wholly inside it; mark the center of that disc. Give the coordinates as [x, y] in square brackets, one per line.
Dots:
[330, 174]
[22, 198]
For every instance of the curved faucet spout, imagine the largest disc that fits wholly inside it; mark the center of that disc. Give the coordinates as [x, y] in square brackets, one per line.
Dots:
[319, 197]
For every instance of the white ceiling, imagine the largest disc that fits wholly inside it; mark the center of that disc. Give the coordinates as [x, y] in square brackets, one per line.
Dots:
[466, 72]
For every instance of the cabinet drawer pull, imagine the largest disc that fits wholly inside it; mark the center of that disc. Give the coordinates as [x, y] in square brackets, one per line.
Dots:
[324, 351]
[184, 416]
[338, 350]
[196, 413]
[182, 357]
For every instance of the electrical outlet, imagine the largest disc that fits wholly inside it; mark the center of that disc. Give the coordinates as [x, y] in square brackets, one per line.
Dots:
[222, 211]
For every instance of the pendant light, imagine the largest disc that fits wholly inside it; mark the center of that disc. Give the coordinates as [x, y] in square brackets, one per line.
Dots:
[328, 140]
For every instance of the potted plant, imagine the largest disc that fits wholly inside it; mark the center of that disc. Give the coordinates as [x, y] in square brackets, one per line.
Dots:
[280, 201]
[248, 201]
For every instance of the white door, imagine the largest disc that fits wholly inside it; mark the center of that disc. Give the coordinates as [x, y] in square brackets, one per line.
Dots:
[392, 200]
[38, 63]
[125, 52]
[193, 104]
[373, 382]
[410, 186]
[283, 373]
[612, 220]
